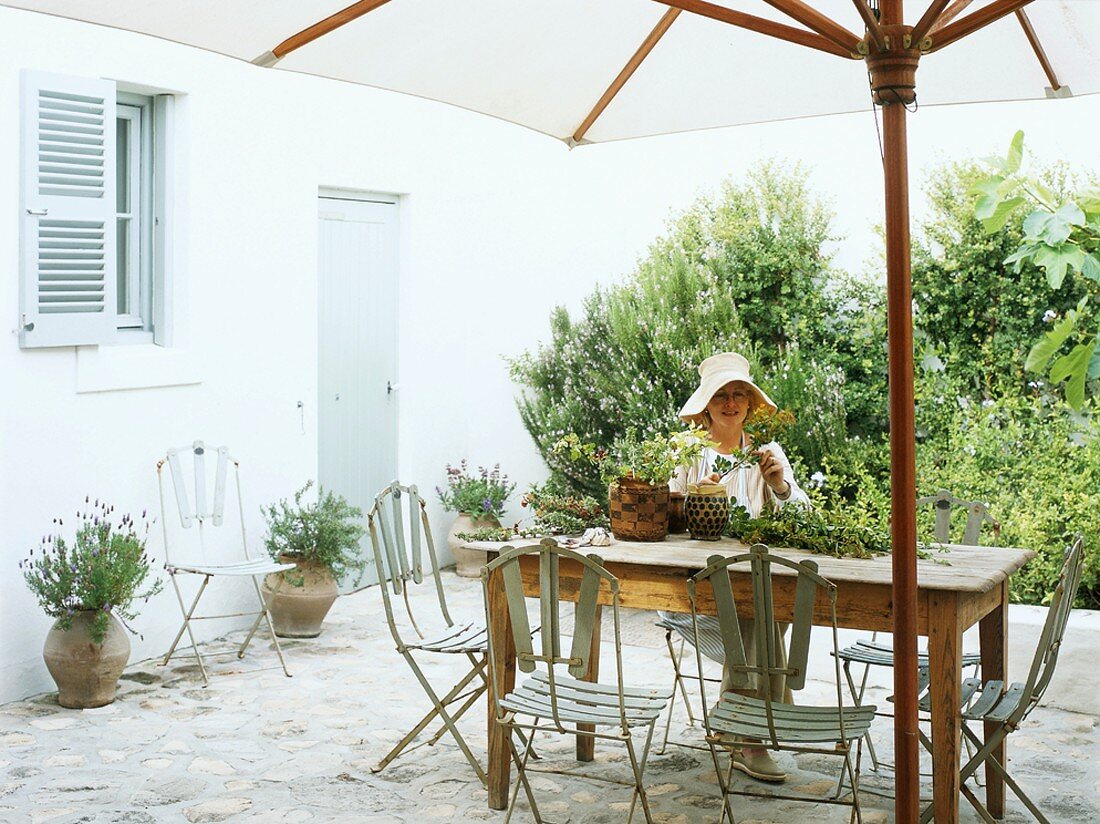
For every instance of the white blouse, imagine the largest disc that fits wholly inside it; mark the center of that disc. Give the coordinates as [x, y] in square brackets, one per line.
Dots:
[746, 484]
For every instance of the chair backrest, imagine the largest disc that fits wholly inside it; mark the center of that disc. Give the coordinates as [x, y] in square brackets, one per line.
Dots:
[1054, 630]
[400, 563]
[594, 578]
[977, 513]
[199, 475]
[811, 593]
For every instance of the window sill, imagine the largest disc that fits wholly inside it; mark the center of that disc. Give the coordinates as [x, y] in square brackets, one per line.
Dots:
[139, 366]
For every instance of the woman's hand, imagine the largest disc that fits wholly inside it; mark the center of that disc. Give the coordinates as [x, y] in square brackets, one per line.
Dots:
[772, 470]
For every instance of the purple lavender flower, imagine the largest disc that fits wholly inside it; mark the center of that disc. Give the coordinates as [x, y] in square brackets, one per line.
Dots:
[487, 505]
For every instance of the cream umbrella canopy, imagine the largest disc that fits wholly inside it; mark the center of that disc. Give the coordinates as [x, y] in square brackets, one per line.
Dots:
[587, 72]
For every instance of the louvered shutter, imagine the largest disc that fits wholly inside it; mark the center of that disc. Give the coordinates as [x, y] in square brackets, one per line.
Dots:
[68, 234]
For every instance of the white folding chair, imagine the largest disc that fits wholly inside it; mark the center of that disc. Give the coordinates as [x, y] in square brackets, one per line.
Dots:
[196, 508]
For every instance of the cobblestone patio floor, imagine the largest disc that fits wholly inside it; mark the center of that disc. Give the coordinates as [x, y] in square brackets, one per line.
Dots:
[258, 747]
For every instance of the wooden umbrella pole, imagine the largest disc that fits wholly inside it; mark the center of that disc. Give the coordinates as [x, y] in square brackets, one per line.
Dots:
[893, 86]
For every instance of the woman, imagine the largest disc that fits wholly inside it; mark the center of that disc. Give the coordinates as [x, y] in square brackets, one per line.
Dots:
[725, 398]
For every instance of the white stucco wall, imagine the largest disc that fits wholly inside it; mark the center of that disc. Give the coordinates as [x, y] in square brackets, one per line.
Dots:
[498, 225]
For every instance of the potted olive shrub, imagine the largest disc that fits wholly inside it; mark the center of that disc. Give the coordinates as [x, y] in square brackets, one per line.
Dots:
[637, 472]
[322, 540]
[479, 501]
[89, 586]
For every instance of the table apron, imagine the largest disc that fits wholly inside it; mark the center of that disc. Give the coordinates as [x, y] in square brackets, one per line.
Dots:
[864, 606]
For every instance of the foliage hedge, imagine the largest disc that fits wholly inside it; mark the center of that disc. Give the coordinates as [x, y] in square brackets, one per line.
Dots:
[748, 270]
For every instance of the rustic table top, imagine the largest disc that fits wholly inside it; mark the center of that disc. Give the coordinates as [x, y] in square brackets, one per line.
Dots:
[952, 567]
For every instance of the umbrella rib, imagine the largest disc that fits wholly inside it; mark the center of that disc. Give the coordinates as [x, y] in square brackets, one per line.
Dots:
[620, 80]
[953, 11]
[308, 35]
[811, 18]
[1037, 47]
[871, 22]
[973, 22]
[932, 16]
[762, 25]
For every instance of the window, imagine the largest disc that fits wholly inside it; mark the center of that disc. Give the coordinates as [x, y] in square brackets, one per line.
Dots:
[134, 211]
[95, 182]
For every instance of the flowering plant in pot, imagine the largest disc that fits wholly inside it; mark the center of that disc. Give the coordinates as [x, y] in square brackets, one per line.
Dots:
[637, 471]
[321, 538]
[479, 500]
[90, 586]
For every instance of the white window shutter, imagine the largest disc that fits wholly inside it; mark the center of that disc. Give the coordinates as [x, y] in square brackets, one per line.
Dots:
[67, 230]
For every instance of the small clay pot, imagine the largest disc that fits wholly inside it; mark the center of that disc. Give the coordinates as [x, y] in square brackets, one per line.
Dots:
[707, 509]
[677, 521]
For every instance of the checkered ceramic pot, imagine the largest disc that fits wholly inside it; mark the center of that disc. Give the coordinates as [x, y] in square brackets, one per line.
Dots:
[638, 511]
[707, 515]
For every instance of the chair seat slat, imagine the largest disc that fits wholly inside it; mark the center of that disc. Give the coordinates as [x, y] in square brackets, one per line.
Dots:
[710, 634]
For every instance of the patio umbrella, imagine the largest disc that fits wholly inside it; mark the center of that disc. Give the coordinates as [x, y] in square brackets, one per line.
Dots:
[589, 72]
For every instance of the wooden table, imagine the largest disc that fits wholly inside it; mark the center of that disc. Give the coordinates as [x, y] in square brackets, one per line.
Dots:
[962, 586]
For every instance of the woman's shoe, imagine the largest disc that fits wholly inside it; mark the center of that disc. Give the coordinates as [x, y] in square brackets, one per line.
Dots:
[759, 765]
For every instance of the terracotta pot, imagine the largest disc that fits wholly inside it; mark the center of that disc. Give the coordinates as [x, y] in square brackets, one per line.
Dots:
[86, 673]
[297, 611]
[707, 509]
[468, 562]
[638, 511]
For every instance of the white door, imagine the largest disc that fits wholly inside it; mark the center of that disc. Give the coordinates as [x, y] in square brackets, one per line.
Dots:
[357, 351]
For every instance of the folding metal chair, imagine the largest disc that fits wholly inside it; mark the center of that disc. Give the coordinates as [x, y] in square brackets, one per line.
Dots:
[1003, 710]
[710, 638]
[553, 700]
[825, 730]
[403, 565]
[873, 653]
[196, 509]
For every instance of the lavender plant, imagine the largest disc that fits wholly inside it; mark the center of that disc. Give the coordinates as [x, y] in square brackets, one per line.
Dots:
[480, 495]
[102, 570]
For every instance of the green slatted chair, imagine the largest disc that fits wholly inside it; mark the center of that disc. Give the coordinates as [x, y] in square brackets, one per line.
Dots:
[1002, 709]
[549, 700]
[874, 653]
[402, 563]
[833, 729]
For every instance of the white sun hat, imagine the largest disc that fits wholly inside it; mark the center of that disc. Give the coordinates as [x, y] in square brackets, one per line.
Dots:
[714, 373]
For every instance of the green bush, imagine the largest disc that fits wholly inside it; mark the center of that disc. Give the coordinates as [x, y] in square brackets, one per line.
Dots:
[629, 361]
[1036, 465]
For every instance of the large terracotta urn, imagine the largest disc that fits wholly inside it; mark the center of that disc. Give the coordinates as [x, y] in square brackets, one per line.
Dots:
[468, 562]
[299, 599]
[86, 673]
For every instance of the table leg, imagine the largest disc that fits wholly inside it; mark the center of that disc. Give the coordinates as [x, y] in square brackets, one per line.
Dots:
[993, 632]
[945, 665]
[503, 673]
[586, 744]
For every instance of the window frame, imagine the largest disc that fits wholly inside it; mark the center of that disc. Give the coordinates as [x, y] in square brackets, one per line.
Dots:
[141, 165]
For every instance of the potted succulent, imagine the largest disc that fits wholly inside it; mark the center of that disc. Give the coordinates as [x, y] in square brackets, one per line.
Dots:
[322, 540]
[90, 586]
[479, 501]
[637, 472]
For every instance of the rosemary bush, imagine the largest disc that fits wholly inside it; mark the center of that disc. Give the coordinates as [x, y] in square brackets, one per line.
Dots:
[325, 531]
[101, 570]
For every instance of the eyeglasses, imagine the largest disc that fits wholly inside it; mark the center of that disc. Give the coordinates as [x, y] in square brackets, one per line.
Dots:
[737, 395]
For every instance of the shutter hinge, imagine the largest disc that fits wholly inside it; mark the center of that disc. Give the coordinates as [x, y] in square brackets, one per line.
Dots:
[38, 212]
[27, 327]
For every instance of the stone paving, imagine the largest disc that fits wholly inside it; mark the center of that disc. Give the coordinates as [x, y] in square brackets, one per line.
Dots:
[258, 747]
